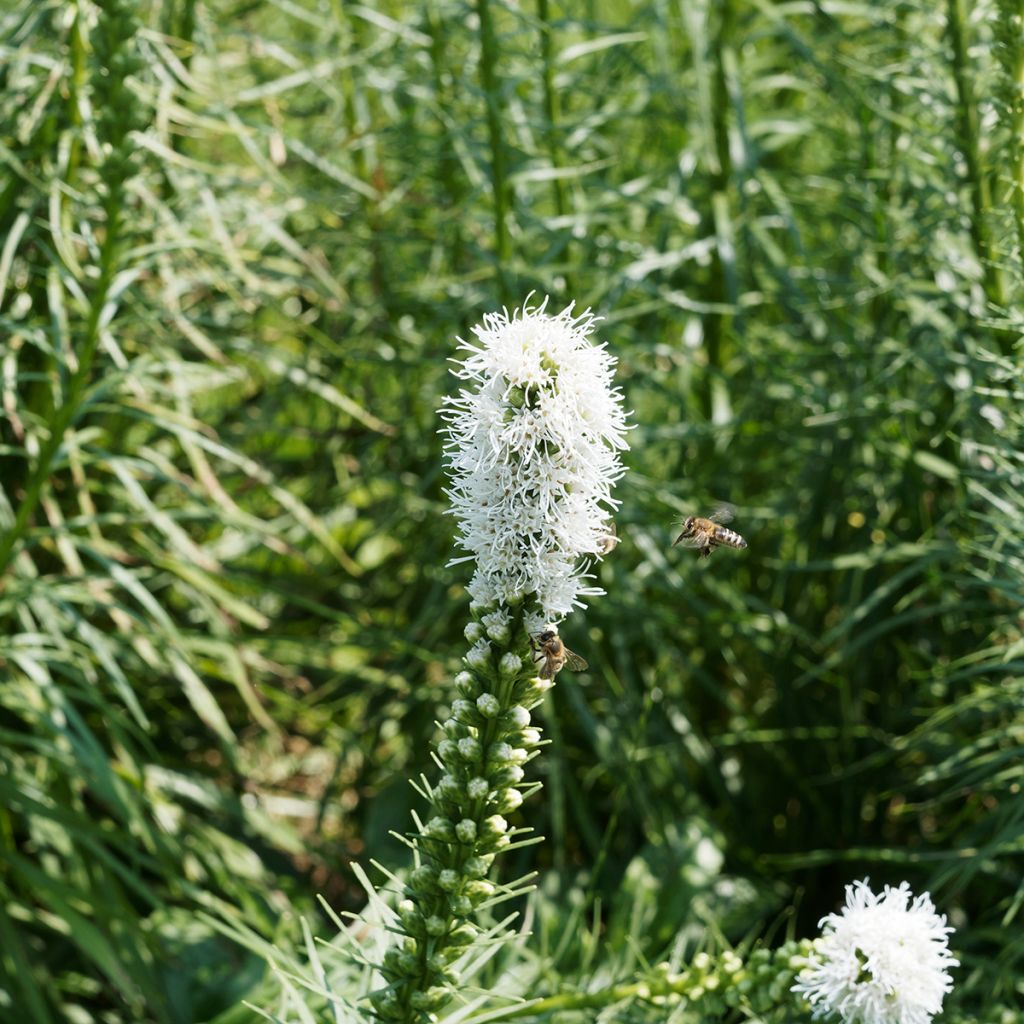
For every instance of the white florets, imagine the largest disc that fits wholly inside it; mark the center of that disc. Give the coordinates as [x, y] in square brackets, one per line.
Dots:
[532, 452]
[882, 960]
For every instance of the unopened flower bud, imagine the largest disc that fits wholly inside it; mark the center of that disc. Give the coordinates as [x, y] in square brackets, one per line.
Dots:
[448, 788]
[511, 664]
[479, 654]
[477, 867]
[495, 825]
[465, 831]
[518, 717]
[509, 775]
[499, 753]
[530, 737]
[385, 1002]
[435, 925]
[473, 632]
[488, 705]
[508, 801]
[448, 880]
[439, 828]
[461, 905]
[432, 999]
[423, 878]
[469, 748]
[464, 711]
[447, 749]
[437, 964]
[463, 679]
[479, 891]
[477, 788]
[462, 936]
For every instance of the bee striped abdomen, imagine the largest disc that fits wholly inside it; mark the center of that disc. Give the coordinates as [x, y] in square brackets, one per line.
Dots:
[729, 537]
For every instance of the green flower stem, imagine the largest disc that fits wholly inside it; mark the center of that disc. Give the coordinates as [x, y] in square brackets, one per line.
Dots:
[723, 287]
[117, 115]
[1017, 122]
[487, 741]
[970, 146]
[496, 135]
[1010, 33]
[759, 985]
[551, 128]
[77, 85]
[68, 410]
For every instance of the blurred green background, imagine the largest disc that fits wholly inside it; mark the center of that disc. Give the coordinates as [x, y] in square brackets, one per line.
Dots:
[239, 240]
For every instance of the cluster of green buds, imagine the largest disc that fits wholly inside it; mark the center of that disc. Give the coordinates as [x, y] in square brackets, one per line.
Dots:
[116, 63]
[726, 982]
[487, 741]
[716, 986]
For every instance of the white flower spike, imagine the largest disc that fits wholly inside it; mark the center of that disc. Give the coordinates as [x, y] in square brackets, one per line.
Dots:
[533, 450]
[883, 960]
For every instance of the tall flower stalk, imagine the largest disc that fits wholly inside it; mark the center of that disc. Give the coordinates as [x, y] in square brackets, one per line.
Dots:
[533, 449]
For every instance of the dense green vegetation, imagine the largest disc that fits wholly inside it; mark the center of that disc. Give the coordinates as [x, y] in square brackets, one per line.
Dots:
[237, 242]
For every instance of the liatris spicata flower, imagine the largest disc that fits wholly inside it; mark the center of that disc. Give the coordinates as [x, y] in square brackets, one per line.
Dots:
[883, 960]
[532, 449]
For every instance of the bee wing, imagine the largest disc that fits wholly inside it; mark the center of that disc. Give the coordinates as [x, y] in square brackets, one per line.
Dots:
[574, 661]
[723, 512]
[687, 542]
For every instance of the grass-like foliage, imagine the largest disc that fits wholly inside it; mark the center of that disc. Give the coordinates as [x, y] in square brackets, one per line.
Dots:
[237, 242]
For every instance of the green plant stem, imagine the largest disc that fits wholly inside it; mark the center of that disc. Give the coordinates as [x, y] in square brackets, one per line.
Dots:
[550, 101]
[551, 117]
[577, 1001]
[723, 288]
[64, 416]
[969, 142]
[499, 176]
[77, 84]
[449, 172]
[1012, 15]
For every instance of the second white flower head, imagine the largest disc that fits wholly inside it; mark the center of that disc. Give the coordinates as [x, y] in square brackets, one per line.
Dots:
[883, 960]
[532, 452]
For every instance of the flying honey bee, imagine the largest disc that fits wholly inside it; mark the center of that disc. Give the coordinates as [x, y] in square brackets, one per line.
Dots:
[707, 533]
[555, 654]
[608, 539]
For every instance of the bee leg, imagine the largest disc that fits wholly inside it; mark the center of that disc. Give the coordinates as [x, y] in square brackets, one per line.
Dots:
[705, 552]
